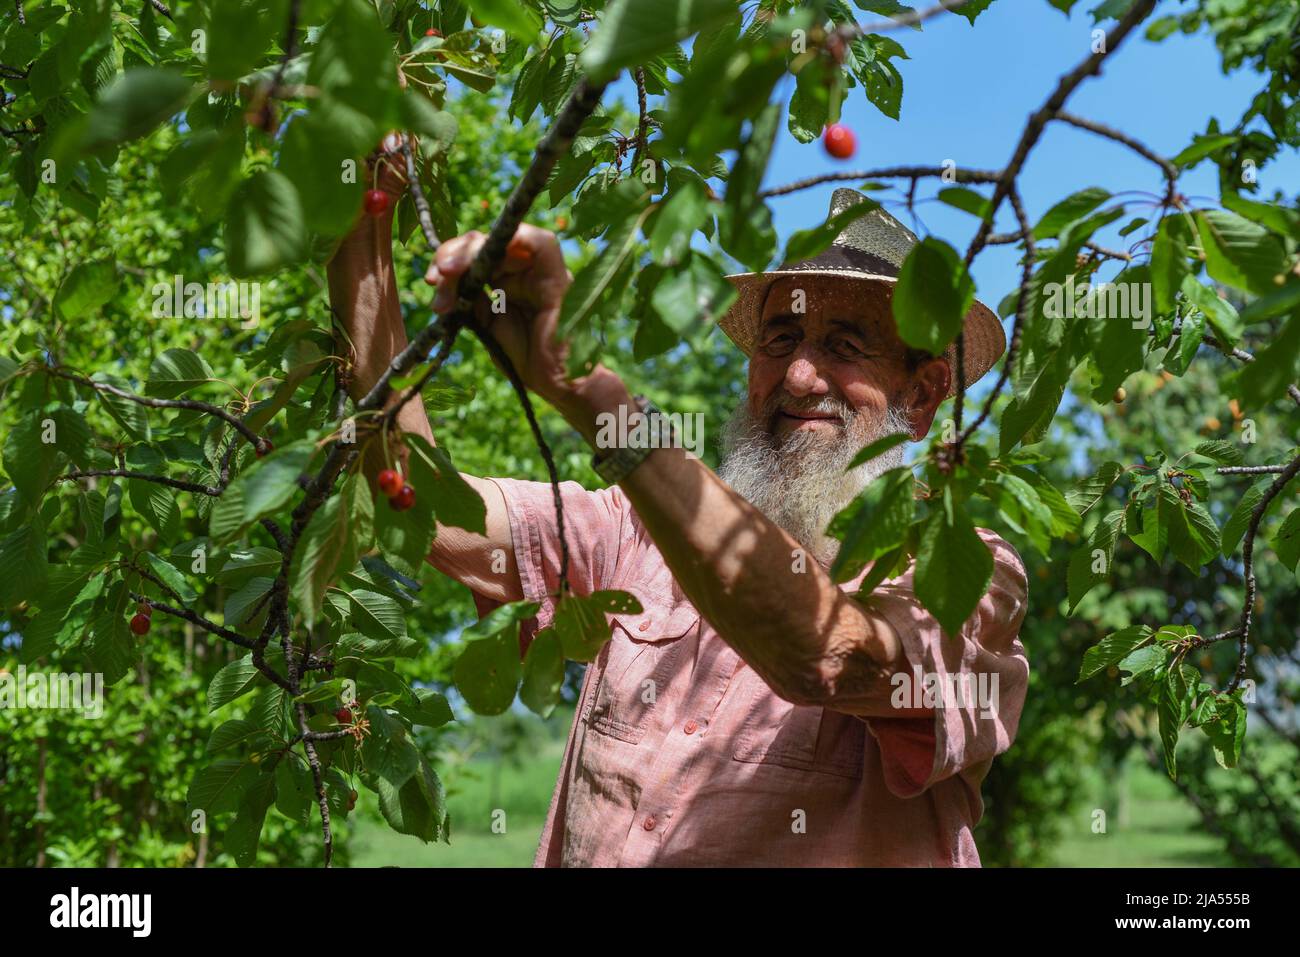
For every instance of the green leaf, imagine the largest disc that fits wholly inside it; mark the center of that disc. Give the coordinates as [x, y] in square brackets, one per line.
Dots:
[136, 102]
[877, 448]
[418, 807]
[88, 286]
[377, 616]
[455, 500]
[429, 709]
[933, 294]
[1235, 527]
[807, 243]
[580, 621]
[1274, 369]
[219, 788]
[503, 618]
[265, 486]
[233, 681]
[1227, 731]
[129, 415]
[245, 563]
[953, 568]
[172, 578]
[678, 217]
[265, 230]
[515, 18]
[1201, 147]
[874, 523]
[331, 544]
[295, 793]
[1087, 569]
[1286, 540]
[1217, 450]
[24, 565]
[241, 604]
[156, 504]
[1221, 315]
[1112, 649]
[1240, 253]
[693, 296]
[235, 734]
[487, 673]
[543, 674]
[1143, 660]
[632, 31]
[967, 200]
[1069, 210]
[31, 462]
[388, 750]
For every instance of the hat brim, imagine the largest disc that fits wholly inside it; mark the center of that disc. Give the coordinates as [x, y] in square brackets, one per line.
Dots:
[984, 341]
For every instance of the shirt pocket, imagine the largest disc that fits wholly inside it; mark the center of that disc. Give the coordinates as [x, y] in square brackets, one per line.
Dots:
[636, 666]
[800, 737]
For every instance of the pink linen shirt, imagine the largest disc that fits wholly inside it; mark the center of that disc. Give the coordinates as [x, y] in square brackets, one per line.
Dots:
[680, 755]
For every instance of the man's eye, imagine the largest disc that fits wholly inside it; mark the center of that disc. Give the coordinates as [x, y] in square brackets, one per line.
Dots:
[846, 349]
[781, 344]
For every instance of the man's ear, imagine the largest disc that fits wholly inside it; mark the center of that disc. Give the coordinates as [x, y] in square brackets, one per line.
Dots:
[928, 388]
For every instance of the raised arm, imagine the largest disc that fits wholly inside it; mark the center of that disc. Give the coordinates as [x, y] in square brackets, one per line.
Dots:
[808, 640]
[363, 293]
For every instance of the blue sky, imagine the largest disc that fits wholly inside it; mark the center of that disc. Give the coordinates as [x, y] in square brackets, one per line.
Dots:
[967, 92]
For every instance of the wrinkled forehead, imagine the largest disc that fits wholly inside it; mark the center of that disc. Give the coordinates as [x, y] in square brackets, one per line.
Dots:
[819, 299]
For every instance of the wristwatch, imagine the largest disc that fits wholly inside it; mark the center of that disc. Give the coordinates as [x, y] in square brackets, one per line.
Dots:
[627, 450]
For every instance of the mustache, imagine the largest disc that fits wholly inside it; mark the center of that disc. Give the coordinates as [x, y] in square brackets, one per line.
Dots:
[807, 405]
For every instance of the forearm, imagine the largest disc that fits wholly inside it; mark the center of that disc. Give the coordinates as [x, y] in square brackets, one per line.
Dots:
[772, 603]
[363, 292]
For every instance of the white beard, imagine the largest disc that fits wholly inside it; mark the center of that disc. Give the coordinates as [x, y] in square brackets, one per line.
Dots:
[800, 481]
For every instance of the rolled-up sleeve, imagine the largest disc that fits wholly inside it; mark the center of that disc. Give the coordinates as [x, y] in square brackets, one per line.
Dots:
[596, 525]
[979, 677]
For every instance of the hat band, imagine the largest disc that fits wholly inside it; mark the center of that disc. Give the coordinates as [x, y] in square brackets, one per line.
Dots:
[845, 258]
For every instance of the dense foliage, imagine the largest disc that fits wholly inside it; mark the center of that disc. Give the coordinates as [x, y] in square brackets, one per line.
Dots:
[206, 474]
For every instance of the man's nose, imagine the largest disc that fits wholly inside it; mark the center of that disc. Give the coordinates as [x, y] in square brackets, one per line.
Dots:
[802, 376]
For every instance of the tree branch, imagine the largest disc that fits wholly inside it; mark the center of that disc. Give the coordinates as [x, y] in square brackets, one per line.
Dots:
[238, 424]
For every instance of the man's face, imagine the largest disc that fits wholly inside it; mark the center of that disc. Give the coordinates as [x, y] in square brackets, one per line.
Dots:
[823, 383]
[829, 373]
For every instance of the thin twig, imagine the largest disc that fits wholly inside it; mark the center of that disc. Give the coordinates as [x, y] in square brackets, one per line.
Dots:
[144, 477]
[889, 172]
[639, 75]
[911, 19]
[191, 404]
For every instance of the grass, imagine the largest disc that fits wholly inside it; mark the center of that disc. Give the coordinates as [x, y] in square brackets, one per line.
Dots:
[1158, 828]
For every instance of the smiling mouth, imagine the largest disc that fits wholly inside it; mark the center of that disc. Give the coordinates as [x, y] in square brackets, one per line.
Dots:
[809, 416]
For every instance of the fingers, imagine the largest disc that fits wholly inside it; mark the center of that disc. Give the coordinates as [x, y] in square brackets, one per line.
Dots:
[531, 249]
[450, 262]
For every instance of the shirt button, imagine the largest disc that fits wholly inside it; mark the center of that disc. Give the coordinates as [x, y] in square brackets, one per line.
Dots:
[643, 626]
[690, 727]
[649, 824]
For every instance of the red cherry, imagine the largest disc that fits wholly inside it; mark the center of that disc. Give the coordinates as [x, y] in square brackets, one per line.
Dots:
[431, 32]
[140, 624]
[839, 141]
[352, 800]
[343, 716]
[266, 449]
[376, 201]
[390, 483]
[144, 608]
[403, 500]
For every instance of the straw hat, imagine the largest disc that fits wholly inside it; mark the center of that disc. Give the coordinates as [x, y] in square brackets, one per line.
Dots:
[871, 248]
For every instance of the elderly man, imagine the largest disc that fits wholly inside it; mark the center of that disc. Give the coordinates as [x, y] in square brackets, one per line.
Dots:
[750, 714]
